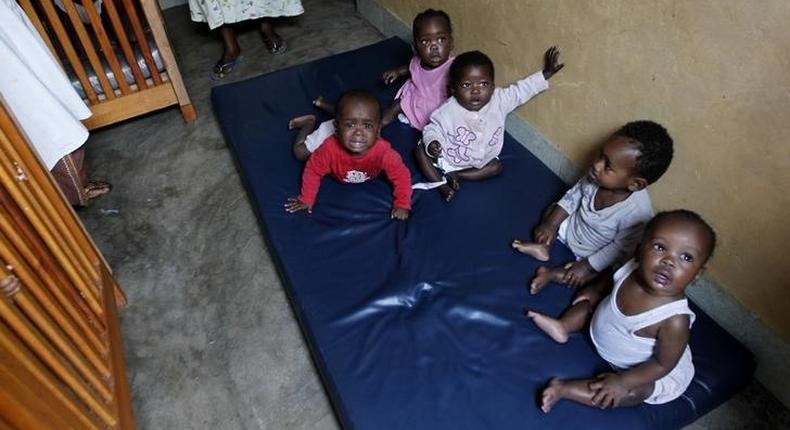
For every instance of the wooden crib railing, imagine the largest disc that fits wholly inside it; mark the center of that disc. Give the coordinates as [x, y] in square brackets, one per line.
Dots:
[61, 354]
[109, 43]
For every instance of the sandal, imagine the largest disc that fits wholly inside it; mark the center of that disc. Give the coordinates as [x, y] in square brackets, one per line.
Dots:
[275, 45]
[96, 189]
[221, 70]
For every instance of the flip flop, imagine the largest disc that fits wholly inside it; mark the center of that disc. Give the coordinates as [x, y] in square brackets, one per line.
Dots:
[221, 70]
[276, 45]
[96, 189]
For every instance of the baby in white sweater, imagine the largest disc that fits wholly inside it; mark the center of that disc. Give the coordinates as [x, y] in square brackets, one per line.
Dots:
[466, 133]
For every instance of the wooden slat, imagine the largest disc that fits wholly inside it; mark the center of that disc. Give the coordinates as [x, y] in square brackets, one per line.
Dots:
[30, 11]
[123, 399]
[142, 42]
[71, 303]
[52, 273]
[155, 20]
[31, 397]
[123, 40]
[44, 227]
[41, 349]
[71, 54]
[106, 47]
[34, 300]
[50, 357]
[88, 48]
[134, 104]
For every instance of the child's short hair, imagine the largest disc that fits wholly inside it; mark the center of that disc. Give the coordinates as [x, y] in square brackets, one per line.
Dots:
[688, 216]
[358, 94]
[424, 16]
[467, 59]
[654, 144]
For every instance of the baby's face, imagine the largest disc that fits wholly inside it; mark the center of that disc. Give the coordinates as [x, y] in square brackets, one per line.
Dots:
[433, 43]
[474, 88]
[614, 168]
[672, 256]
[357, 125]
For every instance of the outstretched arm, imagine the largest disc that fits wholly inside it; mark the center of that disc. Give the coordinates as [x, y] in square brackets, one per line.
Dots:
[393, 75]
[399, 175]
[551, 62]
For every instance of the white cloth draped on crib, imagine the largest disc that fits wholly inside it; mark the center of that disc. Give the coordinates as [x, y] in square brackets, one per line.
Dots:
[35, 89]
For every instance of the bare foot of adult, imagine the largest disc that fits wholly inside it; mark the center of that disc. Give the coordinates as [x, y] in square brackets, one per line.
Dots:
[273, 41]
[447, 192]
[551, 326]
[537, 251]
[551, 395]
[301, 121]
[96, 189]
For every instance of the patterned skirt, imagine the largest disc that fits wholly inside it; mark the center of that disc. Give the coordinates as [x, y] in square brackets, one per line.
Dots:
[219, 12]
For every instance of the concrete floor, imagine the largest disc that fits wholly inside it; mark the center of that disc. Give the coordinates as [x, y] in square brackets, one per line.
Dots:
[211, 342]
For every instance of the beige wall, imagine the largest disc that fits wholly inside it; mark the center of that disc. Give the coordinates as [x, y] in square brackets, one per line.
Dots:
[716, 73]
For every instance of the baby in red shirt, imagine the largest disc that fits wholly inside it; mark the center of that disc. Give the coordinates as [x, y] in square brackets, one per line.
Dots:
[355, 153]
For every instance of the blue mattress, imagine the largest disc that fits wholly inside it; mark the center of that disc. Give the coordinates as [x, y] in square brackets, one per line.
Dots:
[419, 324]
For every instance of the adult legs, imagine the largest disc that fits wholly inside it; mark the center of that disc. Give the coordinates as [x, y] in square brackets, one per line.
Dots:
[230, 51]
[273, 41]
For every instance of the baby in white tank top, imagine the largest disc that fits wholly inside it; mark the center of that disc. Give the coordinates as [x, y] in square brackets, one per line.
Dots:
[642, 327]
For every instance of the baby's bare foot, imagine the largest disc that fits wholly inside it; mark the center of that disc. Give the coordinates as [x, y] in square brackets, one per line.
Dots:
[551, 395]
[537, 251]
[322, 104]
[447, 192]
[551, 326]
[301, 121]
[542, 277]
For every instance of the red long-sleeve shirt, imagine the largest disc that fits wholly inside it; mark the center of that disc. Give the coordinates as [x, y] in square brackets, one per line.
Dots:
[331, 158]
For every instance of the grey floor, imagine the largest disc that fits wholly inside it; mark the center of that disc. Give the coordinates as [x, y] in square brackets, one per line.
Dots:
[211, 342]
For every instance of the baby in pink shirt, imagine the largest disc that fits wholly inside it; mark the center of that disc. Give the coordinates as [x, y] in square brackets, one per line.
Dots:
[420, 95]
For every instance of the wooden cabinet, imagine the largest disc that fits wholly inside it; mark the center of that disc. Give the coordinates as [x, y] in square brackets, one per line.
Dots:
[61, 354]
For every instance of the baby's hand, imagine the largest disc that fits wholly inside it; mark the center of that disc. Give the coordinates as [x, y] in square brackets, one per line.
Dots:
[390, 76]
[578, 273]
[400, 214]
[434, 149]
[10, 285]
[551, 62]
[545, 233]
[295, 205]
[610, 390]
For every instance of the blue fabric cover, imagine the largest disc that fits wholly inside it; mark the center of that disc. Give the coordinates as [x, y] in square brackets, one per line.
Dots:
[419, 324]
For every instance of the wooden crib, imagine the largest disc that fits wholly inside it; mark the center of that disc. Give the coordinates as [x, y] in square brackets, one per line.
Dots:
[111, 51]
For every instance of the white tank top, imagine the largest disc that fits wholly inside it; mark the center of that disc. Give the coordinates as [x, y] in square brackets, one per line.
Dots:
[614, 333]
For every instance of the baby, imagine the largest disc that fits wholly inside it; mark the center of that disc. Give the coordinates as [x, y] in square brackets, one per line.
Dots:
[422, 93]
[601, 217]
[466, 133]
[642, 327]
[355, 153]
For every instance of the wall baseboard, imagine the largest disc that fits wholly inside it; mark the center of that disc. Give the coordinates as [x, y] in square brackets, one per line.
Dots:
[771, 350]
[167, 4]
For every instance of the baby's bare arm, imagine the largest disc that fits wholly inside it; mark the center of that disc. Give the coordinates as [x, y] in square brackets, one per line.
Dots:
[546, 231]
[392, 75]
[671, 341]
